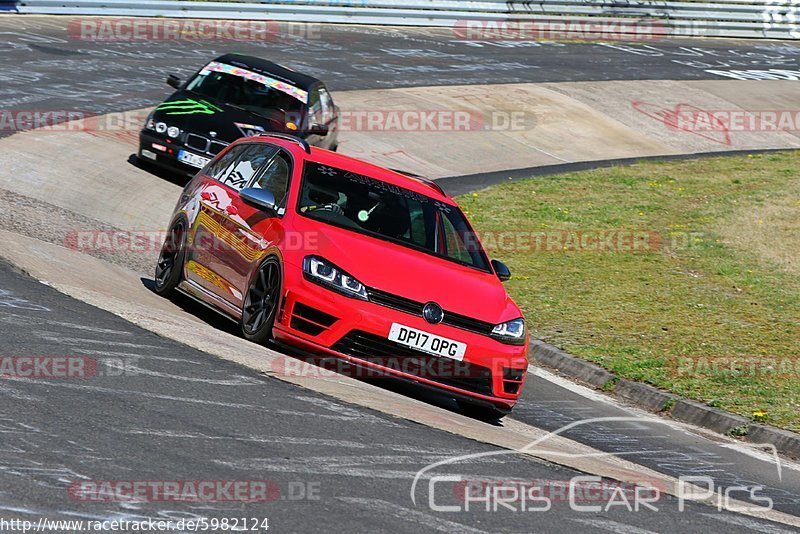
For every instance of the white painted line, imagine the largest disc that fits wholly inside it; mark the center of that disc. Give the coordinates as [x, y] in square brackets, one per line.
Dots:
[283, 439]
[157, 396]
[13, 318]
[367, 471]
[136, 356]
[757, 526]
[9, 301]
[95, 329]
[758, 454]
[428, 521]
[17, 394]
[720, 441]
[163, 433]
[130, 369]
[58, 338]
[612, 526]
[583, 391]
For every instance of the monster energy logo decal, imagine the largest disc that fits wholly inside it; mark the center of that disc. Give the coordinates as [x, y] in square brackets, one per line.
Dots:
[189, 107]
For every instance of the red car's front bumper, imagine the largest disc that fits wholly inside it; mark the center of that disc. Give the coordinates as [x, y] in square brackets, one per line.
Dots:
[321, 321]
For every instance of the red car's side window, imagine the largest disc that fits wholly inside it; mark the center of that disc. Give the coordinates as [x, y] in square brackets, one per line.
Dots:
[217, 169]
[275, 178]
[237, 167]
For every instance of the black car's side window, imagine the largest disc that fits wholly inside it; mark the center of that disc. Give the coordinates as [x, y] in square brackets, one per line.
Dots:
[326, 103]
[275, 178]
[314, 108]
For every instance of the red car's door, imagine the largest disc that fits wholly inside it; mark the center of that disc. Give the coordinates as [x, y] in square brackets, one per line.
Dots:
[211, 197]
[254, 232]
[213, 234]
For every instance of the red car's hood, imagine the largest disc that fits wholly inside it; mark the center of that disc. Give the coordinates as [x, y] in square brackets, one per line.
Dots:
[413, 274]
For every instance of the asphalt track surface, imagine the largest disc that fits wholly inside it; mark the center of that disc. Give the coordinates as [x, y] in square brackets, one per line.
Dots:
[159, 411]
[192, 416]
[45, 66]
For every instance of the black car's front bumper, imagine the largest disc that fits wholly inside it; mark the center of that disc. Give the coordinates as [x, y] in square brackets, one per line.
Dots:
[164, 153]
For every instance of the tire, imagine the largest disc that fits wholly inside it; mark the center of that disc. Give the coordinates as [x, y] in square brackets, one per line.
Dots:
[169, 268]
[142, 162]
[481, 412]
[260, 304]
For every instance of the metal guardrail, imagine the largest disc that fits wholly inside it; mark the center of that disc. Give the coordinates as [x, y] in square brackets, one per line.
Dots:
[776, 19]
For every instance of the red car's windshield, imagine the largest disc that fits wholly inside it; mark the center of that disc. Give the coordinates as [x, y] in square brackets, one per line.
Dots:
[377, 208]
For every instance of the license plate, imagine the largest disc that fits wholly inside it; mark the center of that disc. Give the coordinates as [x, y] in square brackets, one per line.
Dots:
[192, 159]
[427, 342]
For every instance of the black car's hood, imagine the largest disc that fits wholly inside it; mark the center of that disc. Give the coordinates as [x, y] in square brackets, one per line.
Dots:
[192, 113]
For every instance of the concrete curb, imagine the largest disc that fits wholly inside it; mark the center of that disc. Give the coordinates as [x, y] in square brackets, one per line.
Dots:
[461, 185]
[550, 356]
[658, 401]
[704, 416]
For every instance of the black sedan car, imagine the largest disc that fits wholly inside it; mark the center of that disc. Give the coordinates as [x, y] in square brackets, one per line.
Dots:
[231, 97]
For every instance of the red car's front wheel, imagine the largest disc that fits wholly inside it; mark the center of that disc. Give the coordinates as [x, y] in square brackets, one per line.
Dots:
[484, 413]
[261, 302]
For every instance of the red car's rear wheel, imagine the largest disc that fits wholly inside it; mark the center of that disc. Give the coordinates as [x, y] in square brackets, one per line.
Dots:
[170, 261]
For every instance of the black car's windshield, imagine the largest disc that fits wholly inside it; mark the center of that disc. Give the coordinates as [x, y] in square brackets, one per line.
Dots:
[247, 90]
[374, 207]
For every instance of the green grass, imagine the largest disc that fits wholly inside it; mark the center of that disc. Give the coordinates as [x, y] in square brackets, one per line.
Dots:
[724, 282]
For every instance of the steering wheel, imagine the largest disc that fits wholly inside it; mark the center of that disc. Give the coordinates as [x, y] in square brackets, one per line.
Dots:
[333, 208]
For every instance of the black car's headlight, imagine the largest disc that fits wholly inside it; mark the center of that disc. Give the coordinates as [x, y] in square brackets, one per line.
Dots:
[323, 272]
[163, 128]
[511, 332]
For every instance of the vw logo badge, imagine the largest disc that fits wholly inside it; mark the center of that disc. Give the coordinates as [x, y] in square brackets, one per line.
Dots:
[433, 313]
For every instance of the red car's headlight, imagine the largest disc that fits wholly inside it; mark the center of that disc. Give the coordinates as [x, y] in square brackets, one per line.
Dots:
[511, 332]
[323, 272]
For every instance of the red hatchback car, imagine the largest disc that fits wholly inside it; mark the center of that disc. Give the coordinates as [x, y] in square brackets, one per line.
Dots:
[338, 257]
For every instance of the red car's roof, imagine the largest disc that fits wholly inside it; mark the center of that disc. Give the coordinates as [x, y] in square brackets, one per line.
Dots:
[334, 159]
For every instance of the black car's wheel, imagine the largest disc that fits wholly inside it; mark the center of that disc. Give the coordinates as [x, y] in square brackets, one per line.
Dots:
[261, 302]
[169, 268]
[141, 161]
[479, 411]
